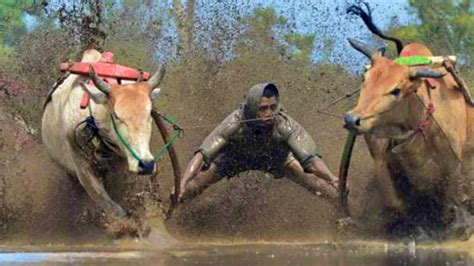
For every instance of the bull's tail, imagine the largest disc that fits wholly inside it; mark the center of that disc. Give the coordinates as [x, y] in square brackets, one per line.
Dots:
[367, 18]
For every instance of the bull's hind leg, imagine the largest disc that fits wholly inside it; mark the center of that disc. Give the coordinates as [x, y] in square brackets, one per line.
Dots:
[464, 215]
[459, 212]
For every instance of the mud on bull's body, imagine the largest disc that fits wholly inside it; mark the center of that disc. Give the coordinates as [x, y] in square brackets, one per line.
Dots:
[419, 127]
[65, 138]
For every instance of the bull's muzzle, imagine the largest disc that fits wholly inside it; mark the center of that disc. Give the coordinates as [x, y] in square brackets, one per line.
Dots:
[146, 167]
[352, 121]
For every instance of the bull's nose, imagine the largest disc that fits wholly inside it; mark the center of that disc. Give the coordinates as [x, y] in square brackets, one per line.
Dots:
[146, 167]
[351, 120]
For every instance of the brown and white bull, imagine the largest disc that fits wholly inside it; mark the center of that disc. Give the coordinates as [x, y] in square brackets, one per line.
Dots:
[65, 138]
[420, 136]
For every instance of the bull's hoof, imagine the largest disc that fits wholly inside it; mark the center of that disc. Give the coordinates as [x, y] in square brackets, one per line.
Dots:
[463, 225]
[462, 233]
[466, 235]
[346, 223]
[158, 237]
[127, 227]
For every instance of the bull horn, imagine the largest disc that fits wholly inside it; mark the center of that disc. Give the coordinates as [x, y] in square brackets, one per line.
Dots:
[426, 73]
[362, 47]
[156, 79]
[99, 83]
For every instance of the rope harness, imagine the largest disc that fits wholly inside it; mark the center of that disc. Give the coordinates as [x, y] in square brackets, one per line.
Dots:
[94, 131]
[426, 121]
[178, 133]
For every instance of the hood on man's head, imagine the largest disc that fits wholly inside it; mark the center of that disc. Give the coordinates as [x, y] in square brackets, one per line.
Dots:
[255, 94]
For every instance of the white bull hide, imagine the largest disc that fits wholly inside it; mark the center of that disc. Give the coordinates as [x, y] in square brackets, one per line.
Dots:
[131, 103]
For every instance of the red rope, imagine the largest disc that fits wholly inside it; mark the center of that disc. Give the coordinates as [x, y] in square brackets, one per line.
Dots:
[425, 122]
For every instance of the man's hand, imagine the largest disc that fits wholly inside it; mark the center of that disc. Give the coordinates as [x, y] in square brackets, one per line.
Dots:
[320, 169]
[194, 167]
[334, 182]
[182, 191]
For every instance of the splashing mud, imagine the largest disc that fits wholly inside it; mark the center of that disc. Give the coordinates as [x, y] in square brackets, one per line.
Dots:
[233, 50]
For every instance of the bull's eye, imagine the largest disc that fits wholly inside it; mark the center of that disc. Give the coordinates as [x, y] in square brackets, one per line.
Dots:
[396, 92]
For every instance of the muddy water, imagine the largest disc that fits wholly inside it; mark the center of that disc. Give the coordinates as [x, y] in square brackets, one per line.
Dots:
[326, 253]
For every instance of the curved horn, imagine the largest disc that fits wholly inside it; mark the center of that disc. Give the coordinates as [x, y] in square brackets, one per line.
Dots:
[426, 73]
[156, 79]
[362, 47]
[99, 83]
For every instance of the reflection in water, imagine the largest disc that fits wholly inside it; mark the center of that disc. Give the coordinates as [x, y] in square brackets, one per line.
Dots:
[243, 254]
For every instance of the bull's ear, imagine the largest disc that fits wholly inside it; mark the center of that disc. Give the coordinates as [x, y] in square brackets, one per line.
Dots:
[97, 96]
[381, 51]
[155, 93]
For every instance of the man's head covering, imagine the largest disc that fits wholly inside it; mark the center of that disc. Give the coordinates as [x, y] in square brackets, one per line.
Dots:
[253, 97]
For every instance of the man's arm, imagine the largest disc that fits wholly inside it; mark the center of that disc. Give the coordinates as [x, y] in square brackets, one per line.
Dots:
[209, 149]
[304, 149]
[319, 168]
[193, 168]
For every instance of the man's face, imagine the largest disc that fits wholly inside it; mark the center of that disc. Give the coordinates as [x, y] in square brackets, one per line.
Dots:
[266, 110]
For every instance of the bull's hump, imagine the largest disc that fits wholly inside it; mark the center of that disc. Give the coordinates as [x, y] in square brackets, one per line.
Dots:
[91, 55]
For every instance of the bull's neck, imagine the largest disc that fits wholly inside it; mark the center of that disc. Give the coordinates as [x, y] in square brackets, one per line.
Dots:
[435, 136]
[416, 112]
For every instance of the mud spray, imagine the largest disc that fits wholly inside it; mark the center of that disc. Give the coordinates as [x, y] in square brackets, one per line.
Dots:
[39, 203]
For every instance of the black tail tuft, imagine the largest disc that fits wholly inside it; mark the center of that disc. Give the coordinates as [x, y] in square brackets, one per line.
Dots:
[367, 18]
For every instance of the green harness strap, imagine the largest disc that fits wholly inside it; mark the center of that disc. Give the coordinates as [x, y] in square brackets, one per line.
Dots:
[413, 60]
[177, 134]
[420, 60]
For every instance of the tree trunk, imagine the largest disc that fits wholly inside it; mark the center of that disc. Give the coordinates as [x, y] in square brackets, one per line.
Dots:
[185, 26]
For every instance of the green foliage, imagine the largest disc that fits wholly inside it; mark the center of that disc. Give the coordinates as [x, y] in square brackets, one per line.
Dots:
[11, 22]
[266, 31]
[407, 33]
[12, 26]
[5, 52]
[261, 27]
[446, 27]
[303, 44]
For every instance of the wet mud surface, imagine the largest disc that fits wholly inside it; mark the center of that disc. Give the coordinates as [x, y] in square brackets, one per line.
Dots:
[325, 253]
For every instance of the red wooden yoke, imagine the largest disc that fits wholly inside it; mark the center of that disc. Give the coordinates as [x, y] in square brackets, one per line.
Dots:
[106, 69]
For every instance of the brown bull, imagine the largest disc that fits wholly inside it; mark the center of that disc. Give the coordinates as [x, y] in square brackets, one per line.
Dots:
[420, 136]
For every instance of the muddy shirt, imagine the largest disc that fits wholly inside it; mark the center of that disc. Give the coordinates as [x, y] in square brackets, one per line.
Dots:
[250, 146]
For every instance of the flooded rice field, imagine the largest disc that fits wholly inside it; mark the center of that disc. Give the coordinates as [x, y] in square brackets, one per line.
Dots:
[324, 253]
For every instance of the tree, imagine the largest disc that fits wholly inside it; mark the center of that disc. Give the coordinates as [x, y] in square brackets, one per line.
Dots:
[447, 28]
[11, 21]
[185, 26]
[12, 26]
[266, 31]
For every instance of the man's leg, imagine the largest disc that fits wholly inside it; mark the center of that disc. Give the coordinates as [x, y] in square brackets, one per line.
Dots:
[314, 184]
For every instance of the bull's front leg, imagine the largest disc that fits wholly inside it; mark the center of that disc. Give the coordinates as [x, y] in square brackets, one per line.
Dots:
[379, 148]
[392, 200]
[94, 188]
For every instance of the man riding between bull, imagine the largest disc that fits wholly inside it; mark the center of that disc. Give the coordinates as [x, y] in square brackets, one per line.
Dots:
[259, 135]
